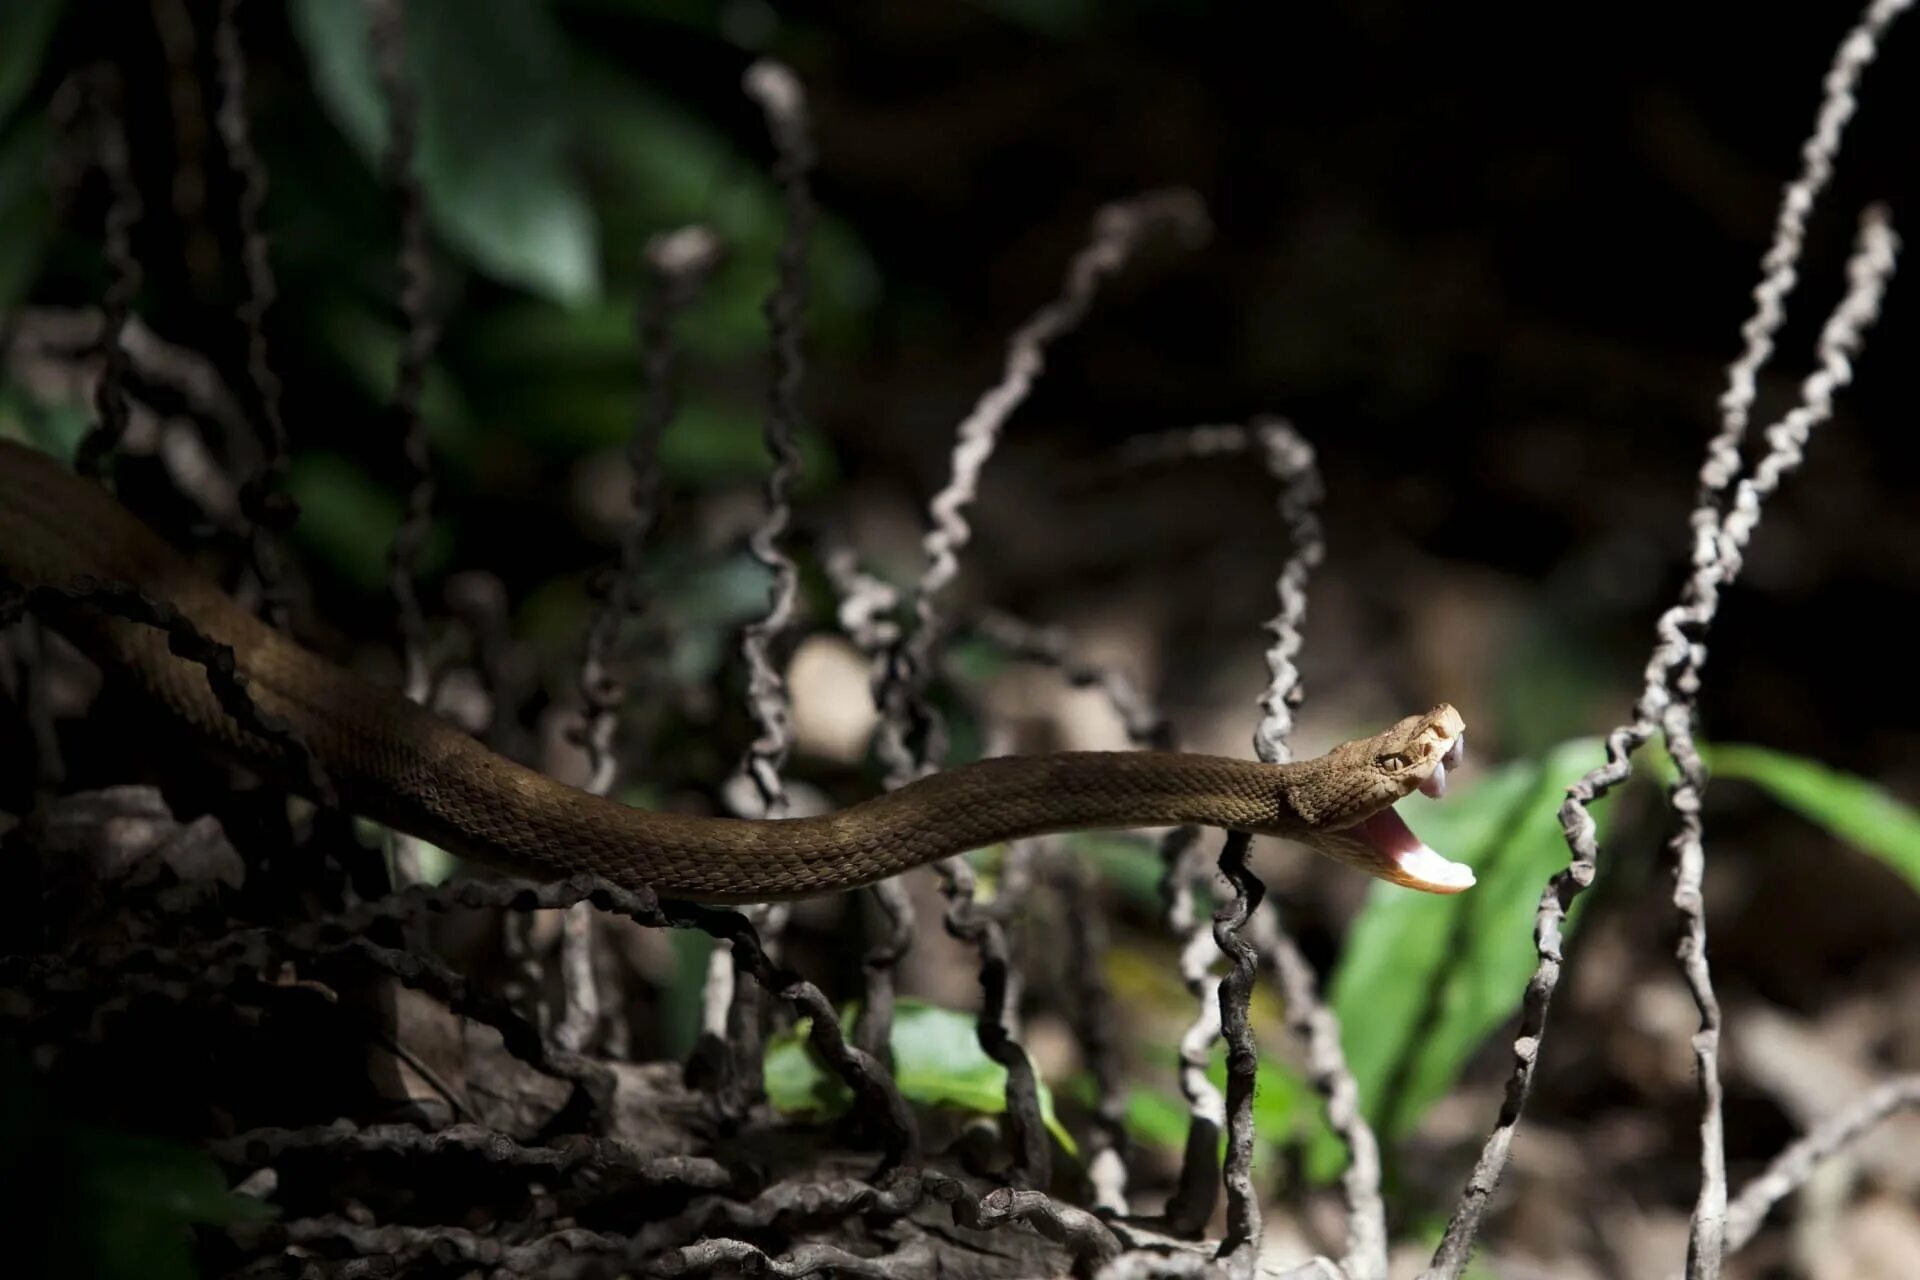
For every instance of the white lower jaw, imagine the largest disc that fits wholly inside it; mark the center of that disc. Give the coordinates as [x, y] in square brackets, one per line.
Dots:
[1429, 868]
[1392, 841]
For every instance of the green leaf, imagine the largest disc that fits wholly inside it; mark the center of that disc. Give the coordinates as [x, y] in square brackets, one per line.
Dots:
[684, 993]
[137, 1195]
[437, 866]
[25, 212]
[1281, 1102]
[348, 519]
[160, 1178]
[1130, 864]
[491, 79]
[1425, 979]
[29, 27]
[115, 1206]
[368, 350]
[1157, 1117]
[660, 165]
[1058, 18]
[1850, 807]
[710, 443]
[937, 1061]
[51, 428]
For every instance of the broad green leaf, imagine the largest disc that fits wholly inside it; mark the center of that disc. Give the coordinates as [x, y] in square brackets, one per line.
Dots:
[1424, 979]
[51, 428]
[937, 1061]
[1852, 808]
[682, 997]
[368, 348]
[136, 1197]
[1132, 865]
[1281, 1102]
[25, 212]
[29, 26]
[569, 407]
[491, 78]
[694, 17]
[662, 166]
[972, 659]
[160, 1178]
[437, 866]
[1157, 1117]
[1554, 671]
[348, 519]
[709, 443]
[89, 1201]
[1057, 18]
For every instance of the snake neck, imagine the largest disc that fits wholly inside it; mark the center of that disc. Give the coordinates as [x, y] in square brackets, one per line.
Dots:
[1095, 790]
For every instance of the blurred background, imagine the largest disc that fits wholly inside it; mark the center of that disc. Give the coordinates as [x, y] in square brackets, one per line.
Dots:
[1492, 264]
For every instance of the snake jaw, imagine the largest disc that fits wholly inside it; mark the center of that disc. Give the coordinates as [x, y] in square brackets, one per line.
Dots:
[1400, 857]
[1381, 844]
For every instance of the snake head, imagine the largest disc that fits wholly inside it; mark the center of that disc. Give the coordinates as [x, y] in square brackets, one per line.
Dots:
[1349, 803]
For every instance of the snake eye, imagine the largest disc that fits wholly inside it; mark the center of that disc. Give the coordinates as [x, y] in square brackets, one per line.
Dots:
[1393, 760]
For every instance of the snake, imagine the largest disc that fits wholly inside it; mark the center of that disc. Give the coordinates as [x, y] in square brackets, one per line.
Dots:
[65, 542]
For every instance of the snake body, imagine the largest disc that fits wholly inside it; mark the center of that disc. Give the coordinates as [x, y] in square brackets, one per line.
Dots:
[388, 759]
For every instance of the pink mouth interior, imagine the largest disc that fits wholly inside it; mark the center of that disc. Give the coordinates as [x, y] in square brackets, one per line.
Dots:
[1393, 840]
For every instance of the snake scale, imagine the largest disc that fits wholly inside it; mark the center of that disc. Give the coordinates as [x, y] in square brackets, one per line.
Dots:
[62, 537]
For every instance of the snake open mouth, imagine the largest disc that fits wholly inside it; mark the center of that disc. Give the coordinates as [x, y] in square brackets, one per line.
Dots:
[1393, 841]
[1419, 867]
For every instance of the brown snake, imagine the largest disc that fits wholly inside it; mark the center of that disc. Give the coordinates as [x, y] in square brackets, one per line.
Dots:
[61, 536]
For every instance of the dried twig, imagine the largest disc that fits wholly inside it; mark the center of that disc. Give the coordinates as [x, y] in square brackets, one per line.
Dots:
[738, 1257]
[387, 37]
[1290, 460]
[779, 94]
[679, 263]
[273, 737]
[881, 1105]
[1869, 271]
[1722, 530]
[1674, 653]
[866, 613]
[1183, 867]
[400, 1244]
[1791, 1169]
[908, 739]
[387, 34]
[268, 508]
[1779, 268]
[968, 921]
[1241, 1244]
[1096, 1024]
[1118, 231]
[107, 124]
[1672, 676]
[782, 100]
[1145, 725]
[617, 1160]
[50, 349]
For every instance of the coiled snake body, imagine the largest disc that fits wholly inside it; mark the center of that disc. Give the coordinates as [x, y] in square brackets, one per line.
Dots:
[61, 536]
